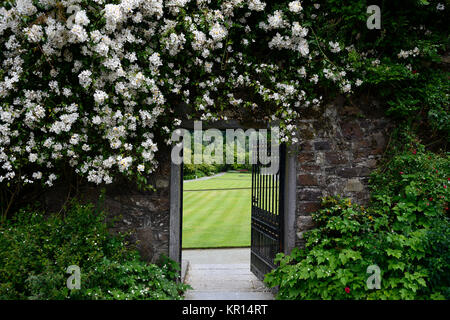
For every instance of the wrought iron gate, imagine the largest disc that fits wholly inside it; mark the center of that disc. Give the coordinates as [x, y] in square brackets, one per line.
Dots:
[267, 216]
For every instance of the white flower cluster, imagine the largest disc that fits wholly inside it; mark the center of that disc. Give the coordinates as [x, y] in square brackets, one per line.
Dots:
[99, 82]
[218, 32]
[295, 6]
[407, 53]
[295, 42]
[256, 5]
[334, 47]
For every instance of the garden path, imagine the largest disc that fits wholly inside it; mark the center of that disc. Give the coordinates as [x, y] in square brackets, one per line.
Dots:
[222, 274]
[205, 178]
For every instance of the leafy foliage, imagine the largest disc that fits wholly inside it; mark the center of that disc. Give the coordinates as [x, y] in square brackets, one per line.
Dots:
[35, 252]
[405, 232]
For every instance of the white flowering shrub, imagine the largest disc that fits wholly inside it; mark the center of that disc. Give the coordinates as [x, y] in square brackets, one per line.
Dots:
[98, 84]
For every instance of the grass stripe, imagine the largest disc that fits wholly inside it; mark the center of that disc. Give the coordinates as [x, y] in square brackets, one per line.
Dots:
[217, 218]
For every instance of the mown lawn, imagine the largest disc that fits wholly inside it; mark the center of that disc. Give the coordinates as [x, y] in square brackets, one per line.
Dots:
[217, 218]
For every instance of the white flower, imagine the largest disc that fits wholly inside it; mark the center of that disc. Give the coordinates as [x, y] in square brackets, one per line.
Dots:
[74, 139]
[96, 120]
[303, 47]
[124, 163]
[405, 54]
[298, 30]
[78, 34]
[113, 15]
[155, 60]
[100, 96]
[334, 47]
[85, 78]
[37, 175]
[34, 33]
[66, 92]
[25, 7]
[81, 18]
[347, 87]
[102, 48]
[96, 35]
[32, 157]
[128, 5]
[107, 179]
[218, 32]
[174, 43]
[50, 180]
[199, 40]
[295, 6]
[302, 72]
[440, 7]
[208, 67]
[256, 5]
[140, 167]
[276, 20]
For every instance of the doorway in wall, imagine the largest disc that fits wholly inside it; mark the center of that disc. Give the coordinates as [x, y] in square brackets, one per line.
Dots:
[232, 226]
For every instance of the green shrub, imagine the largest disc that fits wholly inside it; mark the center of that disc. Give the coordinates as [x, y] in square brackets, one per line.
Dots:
[405, 232]
[193, 171]
[35, 252]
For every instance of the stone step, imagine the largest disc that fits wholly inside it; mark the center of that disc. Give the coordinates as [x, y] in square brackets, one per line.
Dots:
[213, 272]
[213, 280]
[214, 266]
[227, 295]
[226, 285]
[219, 274]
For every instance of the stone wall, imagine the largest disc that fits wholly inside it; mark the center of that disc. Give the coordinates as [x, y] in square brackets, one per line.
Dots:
[340, 147]
[143, 214]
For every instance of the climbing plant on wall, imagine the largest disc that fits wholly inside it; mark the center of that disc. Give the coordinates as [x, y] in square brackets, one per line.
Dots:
[100, 84]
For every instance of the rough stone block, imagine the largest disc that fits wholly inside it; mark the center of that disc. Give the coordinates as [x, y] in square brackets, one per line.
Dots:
[351, 130]
[354, 185]
[335, 158]
[306, 146]
[310, 195]
[305, 157]
[359, 144]
[320, 158]
[305, 223]
[309, 167]
[354, 172]
[307, 180]
[300, 234]
[364, 171]
[349, 111]
[371, 163]
[348, 172]
[322, 145]
[330, 171]
[162, 183]
[308, 207]
[145, 240]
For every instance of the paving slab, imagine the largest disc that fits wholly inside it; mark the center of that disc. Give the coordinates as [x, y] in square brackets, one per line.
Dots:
[243, 267]
[222, 274]
[208, 295]
[218, 256]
